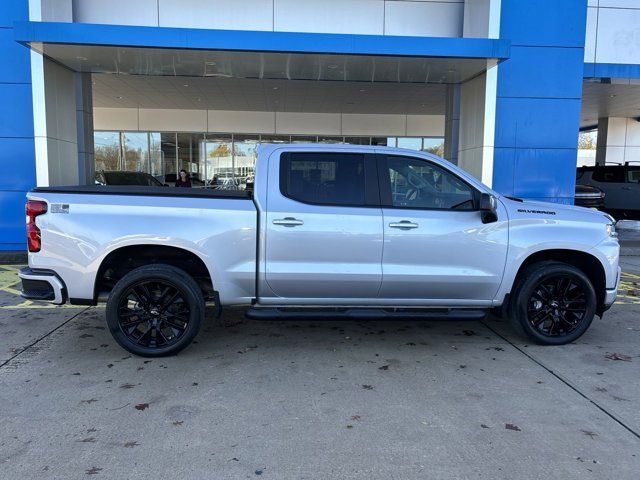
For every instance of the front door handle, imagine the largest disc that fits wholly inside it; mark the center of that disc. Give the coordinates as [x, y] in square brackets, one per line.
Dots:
[288, 222]
[403, 225]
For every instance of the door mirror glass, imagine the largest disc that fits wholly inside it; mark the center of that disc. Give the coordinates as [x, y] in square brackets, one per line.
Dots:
[488, 208]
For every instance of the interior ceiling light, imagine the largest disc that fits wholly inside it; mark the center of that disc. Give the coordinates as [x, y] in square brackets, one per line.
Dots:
[332, 66]
[185, 85]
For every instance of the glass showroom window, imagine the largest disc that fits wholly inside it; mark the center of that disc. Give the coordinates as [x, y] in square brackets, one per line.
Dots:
[191, 156]
[135, 148]
[433, 145]
[245, 153]
[219, 160]
[168, 146]
[107, 150]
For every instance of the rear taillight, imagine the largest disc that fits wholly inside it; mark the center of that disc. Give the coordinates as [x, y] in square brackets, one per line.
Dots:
[34, 208]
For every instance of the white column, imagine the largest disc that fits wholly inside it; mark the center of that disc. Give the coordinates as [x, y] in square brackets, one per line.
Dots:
[477, 125]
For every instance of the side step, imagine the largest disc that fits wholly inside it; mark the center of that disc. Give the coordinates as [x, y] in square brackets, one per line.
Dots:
[320, 313]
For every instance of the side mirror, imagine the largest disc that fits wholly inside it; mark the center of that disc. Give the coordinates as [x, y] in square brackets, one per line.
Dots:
[488, 208]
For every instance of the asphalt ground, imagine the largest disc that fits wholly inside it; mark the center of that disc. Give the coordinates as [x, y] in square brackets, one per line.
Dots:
[318, 400]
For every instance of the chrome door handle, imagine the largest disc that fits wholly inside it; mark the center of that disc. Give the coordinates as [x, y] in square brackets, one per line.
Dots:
[403, 225]
[288, 222]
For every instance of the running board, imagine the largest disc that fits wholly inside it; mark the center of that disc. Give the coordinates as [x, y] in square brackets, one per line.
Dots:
[368, 313]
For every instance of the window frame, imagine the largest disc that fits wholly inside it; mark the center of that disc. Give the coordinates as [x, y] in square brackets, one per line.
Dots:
[371, 190]
[384, 185]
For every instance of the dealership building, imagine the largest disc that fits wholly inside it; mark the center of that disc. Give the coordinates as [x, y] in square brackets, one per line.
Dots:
[499, 87]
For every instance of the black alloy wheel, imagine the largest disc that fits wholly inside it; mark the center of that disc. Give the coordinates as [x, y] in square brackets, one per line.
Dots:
[155, 310]
[557, 306]
[553, 303]
[153, 313]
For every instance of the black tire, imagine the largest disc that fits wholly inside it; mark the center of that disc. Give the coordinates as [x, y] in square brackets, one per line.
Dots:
[155, 310]
[553, 303]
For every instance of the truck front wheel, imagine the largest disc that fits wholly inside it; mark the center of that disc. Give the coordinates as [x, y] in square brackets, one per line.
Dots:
[155, 310]
[554, 303]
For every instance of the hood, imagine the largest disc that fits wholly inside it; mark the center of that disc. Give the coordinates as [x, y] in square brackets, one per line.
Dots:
[553, 211]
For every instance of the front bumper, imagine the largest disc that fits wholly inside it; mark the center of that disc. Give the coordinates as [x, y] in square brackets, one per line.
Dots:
[42, 285]
[610, 294]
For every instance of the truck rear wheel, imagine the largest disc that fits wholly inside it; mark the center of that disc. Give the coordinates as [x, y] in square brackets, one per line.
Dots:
[554, 303]
[155, 310]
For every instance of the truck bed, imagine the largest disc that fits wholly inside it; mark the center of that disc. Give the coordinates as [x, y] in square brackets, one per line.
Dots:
[146, 191]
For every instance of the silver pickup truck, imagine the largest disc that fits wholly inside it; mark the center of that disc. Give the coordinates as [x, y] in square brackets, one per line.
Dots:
[351, 231]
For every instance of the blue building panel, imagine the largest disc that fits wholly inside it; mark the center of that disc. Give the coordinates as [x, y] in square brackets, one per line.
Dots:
[13, 10]
[539, 97]
[17, 159]
[17, 152]
[16, 115]
[551, 23]
[537, 122]
[540, 72]
[244, 40]
[611, 70]
[12, 225]
[15, 66]
[504, 167]
[538, 171]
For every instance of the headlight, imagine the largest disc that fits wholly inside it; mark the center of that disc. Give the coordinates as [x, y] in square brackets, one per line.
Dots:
[611, 230]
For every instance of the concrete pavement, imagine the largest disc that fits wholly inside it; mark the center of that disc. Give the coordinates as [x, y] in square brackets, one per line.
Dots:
[294, 400]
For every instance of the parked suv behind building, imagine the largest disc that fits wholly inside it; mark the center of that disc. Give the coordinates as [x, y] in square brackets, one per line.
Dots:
[621, 186]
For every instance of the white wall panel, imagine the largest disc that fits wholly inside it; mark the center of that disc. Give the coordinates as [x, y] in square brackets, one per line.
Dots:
[295, 123]
[172, 120]
[617, 36]
[115, 118]
[219, 14]
[60, 102]
[119, 12]
[633, 133]
[590, 40]
[292, 123]
[56, 10]
[619, 3]
[476, 18]
[432, 19]
[329, 16]
[241, 122]
[425, 125]
[362, 124]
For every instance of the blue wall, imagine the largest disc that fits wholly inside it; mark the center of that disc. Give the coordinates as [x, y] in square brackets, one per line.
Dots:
[17, 153]
[538, 99]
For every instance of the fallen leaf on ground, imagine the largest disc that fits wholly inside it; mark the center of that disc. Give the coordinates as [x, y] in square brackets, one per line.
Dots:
[510, 426]
[384, 367]
[618, 356]
[367, 387]
[142, 406]
[131, 444]
[93, 471]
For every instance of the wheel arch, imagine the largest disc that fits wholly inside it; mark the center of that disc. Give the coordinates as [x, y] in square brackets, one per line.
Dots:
[586, 262]
[122, 260]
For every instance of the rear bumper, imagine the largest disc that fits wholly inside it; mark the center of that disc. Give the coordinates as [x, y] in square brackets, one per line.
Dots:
[42, 285]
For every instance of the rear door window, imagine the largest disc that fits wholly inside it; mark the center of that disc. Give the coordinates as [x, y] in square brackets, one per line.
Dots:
[321, 178]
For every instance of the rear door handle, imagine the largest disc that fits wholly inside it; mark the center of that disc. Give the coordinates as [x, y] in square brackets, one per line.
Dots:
[403, 225]
[288, 222]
